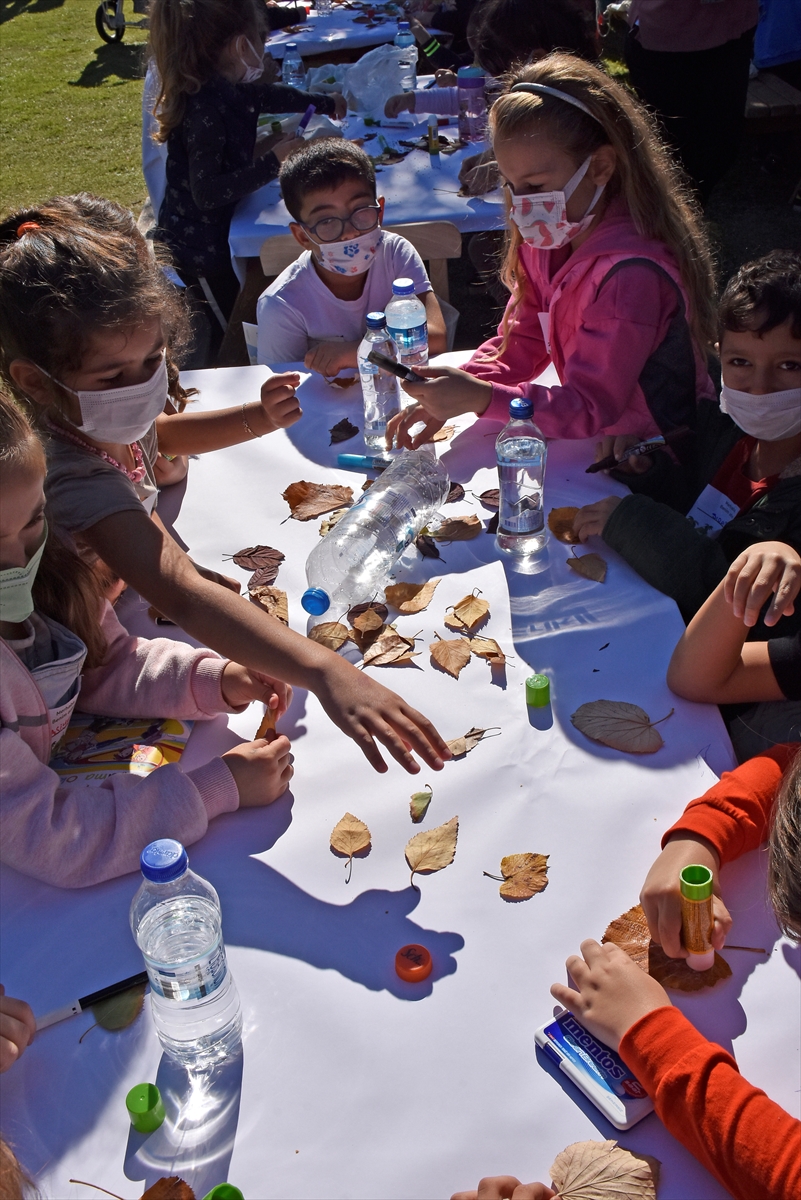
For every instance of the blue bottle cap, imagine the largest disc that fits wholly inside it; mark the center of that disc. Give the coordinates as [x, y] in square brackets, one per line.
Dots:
[376, 320]
[315, 601]
[290, 46]
[520, 409]
[403, 26]
[163, 861]
[402, 287]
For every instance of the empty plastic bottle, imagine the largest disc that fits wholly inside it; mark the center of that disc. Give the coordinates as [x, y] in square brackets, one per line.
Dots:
[176, 921]
[352, 563]
[404, 40]
[520, 451]
[293, 73]
[472, 104]
[407, 324]
[380, 389]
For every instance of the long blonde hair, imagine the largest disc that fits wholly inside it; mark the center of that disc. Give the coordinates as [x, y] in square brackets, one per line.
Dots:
[647, 178]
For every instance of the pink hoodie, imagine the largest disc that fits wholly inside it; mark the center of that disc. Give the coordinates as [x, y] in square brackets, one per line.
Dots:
[72, 835]
[599, 342]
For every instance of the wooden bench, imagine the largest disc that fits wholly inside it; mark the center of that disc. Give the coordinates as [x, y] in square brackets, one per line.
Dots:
[772, 106]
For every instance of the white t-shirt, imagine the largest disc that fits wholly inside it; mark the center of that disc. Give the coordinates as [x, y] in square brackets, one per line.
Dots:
[297, 310]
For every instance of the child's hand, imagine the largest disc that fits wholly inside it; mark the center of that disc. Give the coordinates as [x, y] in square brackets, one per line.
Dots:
[329, 358]
[636, 465]
[17, 1029]
[240, 685]
[506, 1187]
[405, 102]
[762, 569]
[279, 400]
[340, 105]
[446, 393]
[287, 145]
[612, 993]
[445, 77]
[261, 769]
[170, 470]
[589, 521]
[660, 896]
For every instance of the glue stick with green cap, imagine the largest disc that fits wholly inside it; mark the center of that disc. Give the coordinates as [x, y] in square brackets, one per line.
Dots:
[697, 919]
[538, 691]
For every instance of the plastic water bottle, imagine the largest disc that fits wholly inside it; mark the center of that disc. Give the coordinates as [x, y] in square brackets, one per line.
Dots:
[407, 324]
[323, 7]
[293, 73]
[521, 452]
[404, 40]
[381, 391]
[176, 921]
[353, 562]
[472, 104]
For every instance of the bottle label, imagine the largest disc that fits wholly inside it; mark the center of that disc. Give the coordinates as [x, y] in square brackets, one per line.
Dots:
[521, 505]
[189, 981]
[410, 341]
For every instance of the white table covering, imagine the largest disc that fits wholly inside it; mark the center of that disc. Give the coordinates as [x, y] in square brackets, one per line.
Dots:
[335, 31]
[354, 1084]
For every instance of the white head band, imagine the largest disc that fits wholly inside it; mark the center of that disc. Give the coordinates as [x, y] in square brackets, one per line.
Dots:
[540, 89]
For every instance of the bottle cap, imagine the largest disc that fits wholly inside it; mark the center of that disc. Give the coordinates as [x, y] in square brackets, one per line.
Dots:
[695, 882]
[315, 601]
[290, 46]
[163, 861]
[538, 691]
[376, 320]
[402, 287]
[520, 409]
[471, 77]
[224, 1191]
[145, 1107]
[413, 963]
[403, 26]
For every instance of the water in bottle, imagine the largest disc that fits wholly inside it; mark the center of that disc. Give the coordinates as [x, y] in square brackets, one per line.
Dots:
[323, 7]
[472, 104]
[404, 40]
[407, 325]
[353, 561]
[176, 921]
[293, 73]
[520, 452]
[381, 391]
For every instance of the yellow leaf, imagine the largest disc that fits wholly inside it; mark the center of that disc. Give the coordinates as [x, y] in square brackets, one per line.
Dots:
[348, 837]
[419, 804]
[630, 931]
[468, 613]
[273, 601]
[620, 725]
[328, 523]
[463, 745]
[411, 598]
[432, 849]
[560, 523]
[443, 434]
[329, 633]
[489, 649]
[604, 1171]
[591, 566]
[267, 723]
[452, 655]
[308, 500]
[524, 875]
[457, 529]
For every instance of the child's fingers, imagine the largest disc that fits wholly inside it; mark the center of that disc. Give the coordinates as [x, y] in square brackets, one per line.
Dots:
[566, 996]
[669, 929]
[722, 923]
[782, 604]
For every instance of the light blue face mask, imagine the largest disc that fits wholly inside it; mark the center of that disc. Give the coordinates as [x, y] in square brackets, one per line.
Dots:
[16, 587]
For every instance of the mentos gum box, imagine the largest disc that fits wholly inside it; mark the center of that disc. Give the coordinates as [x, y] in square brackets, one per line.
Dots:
[597, 1070]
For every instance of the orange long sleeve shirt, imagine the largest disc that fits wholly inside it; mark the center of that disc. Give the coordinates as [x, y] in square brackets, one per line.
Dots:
[741, 1136]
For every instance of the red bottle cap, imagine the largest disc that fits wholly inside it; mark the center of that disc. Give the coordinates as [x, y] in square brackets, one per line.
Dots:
[413, 963]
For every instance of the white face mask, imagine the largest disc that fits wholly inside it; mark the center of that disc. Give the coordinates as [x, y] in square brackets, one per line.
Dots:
[771, 417]
[349, 258]
[124, 414]
[541, 217]
[251, 74]
[16, 585]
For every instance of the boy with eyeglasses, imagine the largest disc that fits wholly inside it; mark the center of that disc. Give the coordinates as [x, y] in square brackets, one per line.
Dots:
[316, 309]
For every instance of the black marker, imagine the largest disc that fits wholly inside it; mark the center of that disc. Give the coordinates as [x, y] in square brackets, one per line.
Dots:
[79, 1006]
[646, 447]
[394, 368]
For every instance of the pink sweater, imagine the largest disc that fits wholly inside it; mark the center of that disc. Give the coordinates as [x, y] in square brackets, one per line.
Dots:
[71, 835]
[599, 341]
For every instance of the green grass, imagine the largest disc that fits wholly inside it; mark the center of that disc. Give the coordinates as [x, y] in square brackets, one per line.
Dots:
[70, 105]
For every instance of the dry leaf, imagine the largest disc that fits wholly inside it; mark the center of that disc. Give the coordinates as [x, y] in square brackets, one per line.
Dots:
[524, 875]
[348, 837]
[455, 493]
[411, 597]
[169, 1189]
[463, 745]
[457, 529]
[368, 483]
[442, 435]
[343, 381]
[120, 1011]
[258, 558]
[329, 633]
[432, 849]
[604, 1171]
[267, 723]
[272, 600]
[419, 804]
[620, 725]
[491, 499]
[560, 523]
[452, 655]
[468, 613]
[630, 932]
[309, 500]
[343, 431]
[367, 621]
[427, 546]
[329, 522]
[358, 609]
[390, 649]
[489, 649]
[591, 566]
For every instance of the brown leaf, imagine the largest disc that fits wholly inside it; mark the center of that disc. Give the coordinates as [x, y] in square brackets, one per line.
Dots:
[630, 932]
[432, 849]
[456, 493]
[491, 499]
[463, 745]
[452, 655]
[343, 431]
[560, 523]
[343, 381]
[258, 558]
[489, 649]
[332, 520]
[442, 435]
[272, 600]
[419, 803]
[604, 1171]
[348, 837]
[390, 649]
[267, 723]
[309, 500]
[591, 566]
[524, 875]
[620, 725]
[411, 598]
[427, 546]
[492, 524]
[329, 633]
[470, 611]
[358, 609]
[457, 529]
[169, 1189]
[367, 621]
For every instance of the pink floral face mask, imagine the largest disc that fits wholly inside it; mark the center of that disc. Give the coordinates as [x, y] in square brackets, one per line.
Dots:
[541, 217]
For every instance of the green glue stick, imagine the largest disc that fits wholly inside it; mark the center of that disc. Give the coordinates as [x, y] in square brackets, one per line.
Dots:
[538, 691]
[697, 919]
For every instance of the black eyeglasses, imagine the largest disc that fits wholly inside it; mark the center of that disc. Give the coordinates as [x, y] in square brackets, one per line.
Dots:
[330, 229]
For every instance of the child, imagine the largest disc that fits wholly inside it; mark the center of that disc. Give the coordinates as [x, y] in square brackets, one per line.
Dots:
[85, 314]
[714, 663]
[743, 483]
[17, 1029]
[62, 650]
[209, 57]
[609, 267]
[348, 266]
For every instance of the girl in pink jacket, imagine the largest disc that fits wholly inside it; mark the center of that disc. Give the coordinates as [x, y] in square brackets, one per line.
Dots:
[610, 272]
[60, 650]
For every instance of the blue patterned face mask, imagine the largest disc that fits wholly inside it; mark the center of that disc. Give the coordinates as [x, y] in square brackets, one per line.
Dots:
[349, 258]
[16, 584]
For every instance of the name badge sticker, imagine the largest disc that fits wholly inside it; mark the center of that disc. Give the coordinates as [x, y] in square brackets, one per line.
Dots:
[712, 511]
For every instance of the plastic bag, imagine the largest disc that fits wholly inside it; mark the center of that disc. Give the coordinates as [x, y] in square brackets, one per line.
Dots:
[373, 79]
[327, 78]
